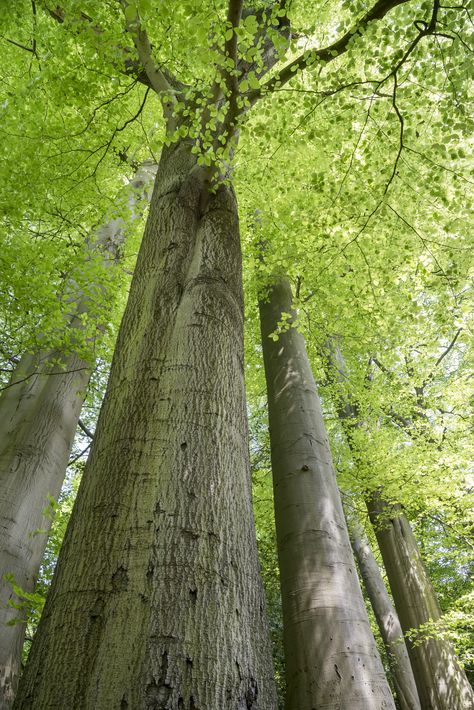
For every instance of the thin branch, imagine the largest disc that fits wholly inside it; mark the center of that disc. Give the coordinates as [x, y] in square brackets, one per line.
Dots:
[34, 374]
[234, 15]
[119, 129]
[80, 455]
[450, 346]
[17, 44]
[402, 128]
[85, 429]
[33, 10]
[381, 367]
[128, 66]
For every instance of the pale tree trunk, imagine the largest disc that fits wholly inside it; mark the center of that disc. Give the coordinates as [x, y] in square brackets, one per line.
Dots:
[442, 683]
[39, 412]
[157, 600]
[331, 657]
[386, 617]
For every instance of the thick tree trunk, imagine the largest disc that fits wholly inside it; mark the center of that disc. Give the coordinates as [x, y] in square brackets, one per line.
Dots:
[441, 682]
[331, 656]
[157, 600]
[386, 617]
[39, 412]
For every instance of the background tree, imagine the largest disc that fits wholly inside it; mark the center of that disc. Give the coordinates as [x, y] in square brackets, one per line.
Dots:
[386, 616]
[330, 653]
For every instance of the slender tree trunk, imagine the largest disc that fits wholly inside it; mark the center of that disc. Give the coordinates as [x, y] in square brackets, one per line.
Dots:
[386, 617]
[157, 600]
[442, 683]
[39, 412]
[331, 656]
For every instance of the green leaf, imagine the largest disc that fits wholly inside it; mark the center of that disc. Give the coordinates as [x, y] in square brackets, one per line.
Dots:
[130, 12]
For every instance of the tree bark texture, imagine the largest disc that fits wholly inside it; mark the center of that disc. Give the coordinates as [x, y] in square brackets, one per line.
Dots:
[331, 657]
[386, 617]
[39, 412]
[442, 683]
[157, 601]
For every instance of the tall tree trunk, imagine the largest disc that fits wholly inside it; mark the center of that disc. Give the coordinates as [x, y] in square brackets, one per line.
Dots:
[331, 656]
[386, 617]
[157, 600]
[442, 683]
[39, 412]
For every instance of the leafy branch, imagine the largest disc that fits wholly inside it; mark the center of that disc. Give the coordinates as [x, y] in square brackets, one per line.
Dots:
[326, 54]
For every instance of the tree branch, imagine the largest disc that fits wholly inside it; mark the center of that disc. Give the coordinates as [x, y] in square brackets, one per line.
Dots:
[80, 455]
[17, 44]
[130, 67]
[234, 14]
[450, 346]
[327, 54]
[138, 33]
[85, 429]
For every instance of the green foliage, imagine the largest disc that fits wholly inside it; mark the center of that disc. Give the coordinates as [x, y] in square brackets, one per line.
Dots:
[354, 177]
[455, 626]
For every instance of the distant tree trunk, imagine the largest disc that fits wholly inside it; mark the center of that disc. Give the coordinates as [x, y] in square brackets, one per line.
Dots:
[331, 656]
[39, 412]
[386, 617]
[33, 459]
[442, 683]
[157, 600]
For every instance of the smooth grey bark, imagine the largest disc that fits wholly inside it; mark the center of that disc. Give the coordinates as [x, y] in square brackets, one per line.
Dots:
[39, 412]
[331, 657]
[441, 682]
[157, 600]
[386, 617]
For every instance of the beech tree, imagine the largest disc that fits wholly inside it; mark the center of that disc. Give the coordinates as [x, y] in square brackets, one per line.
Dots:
[386, 617]
[440, 681]
[157, 460]
[330, 652]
